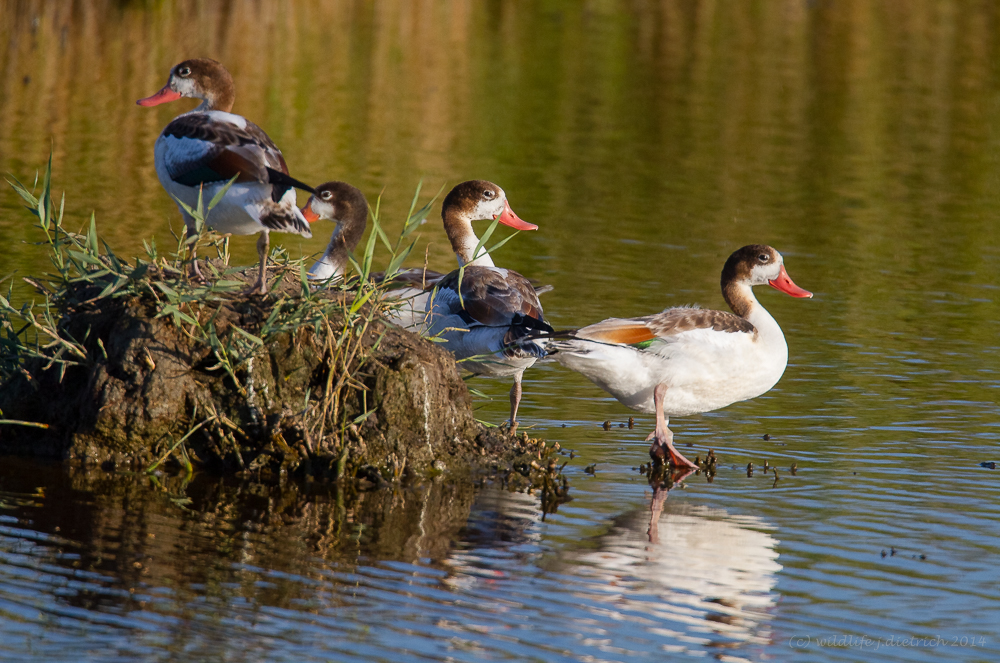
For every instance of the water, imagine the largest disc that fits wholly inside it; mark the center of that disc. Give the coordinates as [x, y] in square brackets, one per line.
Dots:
[647, 140]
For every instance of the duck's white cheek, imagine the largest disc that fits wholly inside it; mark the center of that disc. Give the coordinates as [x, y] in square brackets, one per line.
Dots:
[183, 86]
[325, 211]
[486, 210]
[764, 273]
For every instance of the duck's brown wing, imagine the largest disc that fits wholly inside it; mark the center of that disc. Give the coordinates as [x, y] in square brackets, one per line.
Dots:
[669, 323]
[494, 297]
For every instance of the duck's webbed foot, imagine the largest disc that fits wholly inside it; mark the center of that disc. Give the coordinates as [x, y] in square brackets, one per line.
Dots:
[662, 450]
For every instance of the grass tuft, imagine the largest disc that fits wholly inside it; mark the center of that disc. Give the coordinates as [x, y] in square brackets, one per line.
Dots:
[88, 275]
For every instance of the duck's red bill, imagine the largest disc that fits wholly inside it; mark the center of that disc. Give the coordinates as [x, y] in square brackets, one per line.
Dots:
[161, 97]
[508, 218]
[308, 212]
[785, 285]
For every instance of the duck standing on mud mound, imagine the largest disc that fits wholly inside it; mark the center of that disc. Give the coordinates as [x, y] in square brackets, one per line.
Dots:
[486, 325]
[346, 206]
[411, 289]
[689, 360]
[487, 317]
[202, 150]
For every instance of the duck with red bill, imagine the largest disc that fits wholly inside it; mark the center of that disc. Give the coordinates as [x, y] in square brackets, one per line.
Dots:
[688, 360]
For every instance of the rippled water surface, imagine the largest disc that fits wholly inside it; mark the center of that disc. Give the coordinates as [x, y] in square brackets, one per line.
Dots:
[648, 140]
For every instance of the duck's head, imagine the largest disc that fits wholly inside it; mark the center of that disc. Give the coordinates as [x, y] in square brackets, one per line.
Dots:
[759, 264]
[347, 207]
[477, 200]
[200, 78]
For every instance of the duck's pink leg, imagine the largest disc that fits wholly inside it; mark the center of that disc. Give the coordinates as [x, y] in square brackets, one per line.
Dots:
[515, 400]
[663, 440]
[195, 272]
[260, 287]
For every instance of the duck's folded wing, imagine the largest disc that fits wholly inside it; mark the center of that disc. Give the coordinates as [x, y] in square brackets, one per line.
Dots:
[495, 297]
[664, 326]
[201, 149]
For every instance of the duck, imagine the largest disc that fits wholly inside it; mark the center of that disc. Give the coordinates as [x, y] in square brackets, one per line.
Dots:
[200, 151]
[411, 289]
[346, 206]
[688, 360]
[485, 327]
[484, 313]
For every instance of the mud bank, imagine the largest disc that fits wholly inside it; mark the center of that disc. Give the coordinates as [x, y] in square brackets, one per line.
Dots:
[333, 396]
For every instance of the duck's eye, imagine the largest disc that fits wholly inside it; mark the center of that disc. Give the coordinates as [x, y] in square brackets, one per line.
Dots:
[184, 72]
[326, 195]
[489, 193]
[763, 257]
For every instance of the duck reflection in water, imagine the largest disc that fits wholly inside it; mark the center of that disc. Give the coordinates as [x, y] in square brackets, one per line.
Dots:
[662, 479]
[702, 576]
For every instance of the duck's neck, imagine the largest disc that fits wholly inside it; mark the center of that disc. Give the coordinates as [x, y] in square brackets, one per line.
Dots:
[740, 298]
[347, 234]
[221, 99]
[742, 301]
[464, 241]
[335, 259]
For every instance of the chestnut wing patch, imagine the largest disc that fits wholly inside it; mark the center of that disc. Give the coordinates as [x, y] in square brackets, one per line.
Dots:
[621, 331]
[642, 332]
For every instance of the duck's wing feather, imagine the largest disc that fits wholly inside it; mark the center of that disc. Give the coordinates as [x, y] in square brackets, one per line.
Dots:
[494, 297]
[414, 277]
[664, 326]
[211, 147]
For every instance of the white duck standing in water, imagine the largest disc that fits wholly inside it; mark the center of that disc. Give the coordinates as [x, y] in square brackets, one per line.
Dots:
[486, 325]
[689, 360]
[202, 150]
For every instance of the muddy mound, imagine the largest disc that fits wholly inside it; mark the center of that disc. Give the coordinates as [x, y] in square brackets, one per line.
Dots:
[130, 361]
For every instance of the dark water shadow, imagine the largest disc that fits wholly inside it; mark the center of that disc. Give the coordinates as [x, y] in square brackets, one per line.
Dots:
[126, 533]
